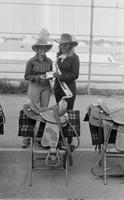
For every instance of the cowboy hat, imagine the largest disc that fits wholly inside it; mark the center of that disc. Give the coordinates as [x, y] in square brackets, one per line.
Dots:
[42, 42]
[67, 39]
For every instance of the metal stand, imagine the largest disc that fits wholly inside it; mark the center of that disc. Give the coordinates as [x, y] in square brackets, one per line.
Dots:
[102, 160]
[41, 151]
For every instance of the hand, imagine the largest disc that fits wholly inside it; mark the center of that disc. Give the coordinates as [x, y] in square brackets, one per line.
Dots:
[56, 75]
[49, 74]
[43, 76]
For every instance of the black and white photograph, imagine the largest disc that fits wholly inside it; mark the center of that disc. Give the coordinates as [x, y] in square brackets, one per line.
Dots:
[62, 99]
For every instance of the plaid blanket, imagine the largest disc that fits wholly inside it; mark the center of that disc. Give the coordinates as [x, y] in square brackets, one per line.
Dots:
[26, 125]
[74, 120]
[99, 138]
[2, 121]
[96, 129]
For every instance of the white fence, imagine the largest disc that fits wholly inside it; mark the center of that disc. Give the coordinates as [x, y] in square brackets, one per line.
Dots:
[95, 71]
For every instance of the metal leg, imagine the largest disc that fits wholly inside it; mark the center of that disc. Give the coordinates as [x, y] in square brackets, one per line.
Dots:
[31, 163]
[107, 128]
[66, 169]
[36, 127]
[105, 175]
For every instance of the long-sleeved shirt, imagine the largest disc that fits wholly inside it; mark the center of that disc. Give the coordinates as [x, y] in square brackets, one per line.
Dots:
[69, 69]
[35, 68]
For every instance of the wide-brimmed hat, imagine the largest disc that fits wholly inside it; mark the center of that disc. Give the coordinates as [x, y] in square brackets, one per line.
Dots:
[42, 42]
[67, 39]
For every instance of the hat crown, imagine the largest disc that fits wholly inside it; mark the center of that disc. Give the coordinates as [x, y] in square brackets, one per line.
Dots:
[65, 38]
[41, 41]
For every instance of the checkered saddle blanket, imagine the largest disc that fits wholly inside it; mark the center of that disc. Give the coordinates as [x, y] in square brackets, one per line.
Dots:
[97, 113]
[2, 120]
[26, 124]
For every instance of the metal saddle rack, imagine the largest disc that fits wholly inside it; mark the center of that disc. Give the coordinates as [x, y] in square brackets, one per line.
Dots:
[43, 158]
[105, 126]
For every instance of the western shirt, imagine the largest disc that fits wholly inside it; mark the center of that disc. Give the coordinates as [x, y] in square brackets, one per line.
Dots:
[69, 69]
[35, 68]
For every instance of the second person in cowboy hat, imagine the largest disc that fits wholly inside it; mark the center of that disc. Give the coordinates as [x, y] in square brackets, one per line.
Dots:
[68, 65]
[37, 67]
[67, 71]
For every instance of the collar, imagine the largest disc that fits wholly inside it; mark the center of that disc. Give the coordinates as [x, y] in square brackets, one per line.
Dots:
[36, 57]
[64, 56]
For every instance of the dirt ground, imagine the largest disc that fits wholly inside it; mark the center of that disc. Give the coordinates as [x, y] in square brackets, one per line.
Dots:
[50, 184]
[14, 165]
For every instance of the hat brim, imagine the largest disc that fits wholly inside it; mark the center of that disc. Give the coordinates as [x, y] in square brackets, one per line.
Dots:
[47, 46]
[75, 43]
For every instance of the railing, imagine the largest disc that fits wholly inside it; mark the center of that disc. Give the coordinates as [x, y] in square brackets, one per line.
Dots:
[89, 75]
[96, 77]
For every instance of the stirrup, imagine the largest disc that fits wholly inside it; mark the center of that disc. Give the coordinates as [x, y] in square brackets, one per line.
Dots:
[53, 158]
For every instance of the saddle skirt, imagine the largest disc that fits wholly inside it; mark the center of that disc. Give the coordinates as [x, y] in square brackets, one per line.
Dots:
[104, 112]
[95, 114]
[116, 114]
[50, 135]
[46, 116]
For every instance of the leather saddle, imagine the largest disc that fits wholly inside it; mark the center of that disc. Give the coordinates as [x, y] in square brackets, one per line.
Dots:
[103, 111]
[115, 114]
[32, 114]
[51, 116]
[46, 116]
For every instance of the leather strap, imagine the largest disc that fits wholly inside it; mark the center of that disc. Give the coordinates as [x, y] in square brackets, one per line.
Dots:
[56, 115]
[36, 127]
[107, 128]
[65, 88]
[32, 114]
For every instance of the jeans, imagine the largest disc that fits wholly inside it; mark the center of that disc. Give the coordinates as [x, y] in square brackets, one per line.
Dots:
[39, 95]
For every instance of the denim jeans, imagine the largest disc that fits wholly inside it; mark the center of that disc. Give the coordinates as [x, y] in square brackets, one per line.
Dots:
[39, 95]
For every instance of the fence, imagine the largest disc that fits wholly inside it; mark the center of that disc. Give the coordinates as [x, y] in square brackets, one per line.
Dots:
[115, 76]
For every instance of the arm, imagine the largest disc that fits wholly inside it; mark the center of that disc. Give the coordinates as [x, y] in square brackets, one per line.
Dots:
[29, 75]
[51, 66]
[74, 73]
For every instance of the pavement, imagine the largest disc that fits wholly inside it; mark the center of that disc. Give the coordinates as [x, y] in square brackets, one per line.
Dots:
[50, 184]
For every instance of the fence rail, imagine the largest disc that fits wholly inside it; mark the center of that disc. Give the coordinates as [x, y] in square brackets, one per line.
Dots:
[80, 80]
[91, 68]
[84, 74]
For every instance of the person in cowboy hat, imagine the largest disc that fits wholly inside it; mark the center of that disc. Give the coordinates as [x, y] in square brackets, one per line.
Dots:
[68, 65]
[37, 67]
[68, 69]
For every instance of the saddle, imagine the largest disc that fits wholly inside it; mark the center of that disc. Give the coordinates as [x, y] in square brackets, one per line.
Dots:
[101, 116]
[115, 114]
[46, 116]
[104, 112]
[51, 116]
[106, 126]
[32, 114]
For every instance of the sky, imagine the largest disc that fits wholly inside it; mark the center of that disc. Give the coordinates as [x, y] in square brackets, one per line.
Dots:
[75, 19]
